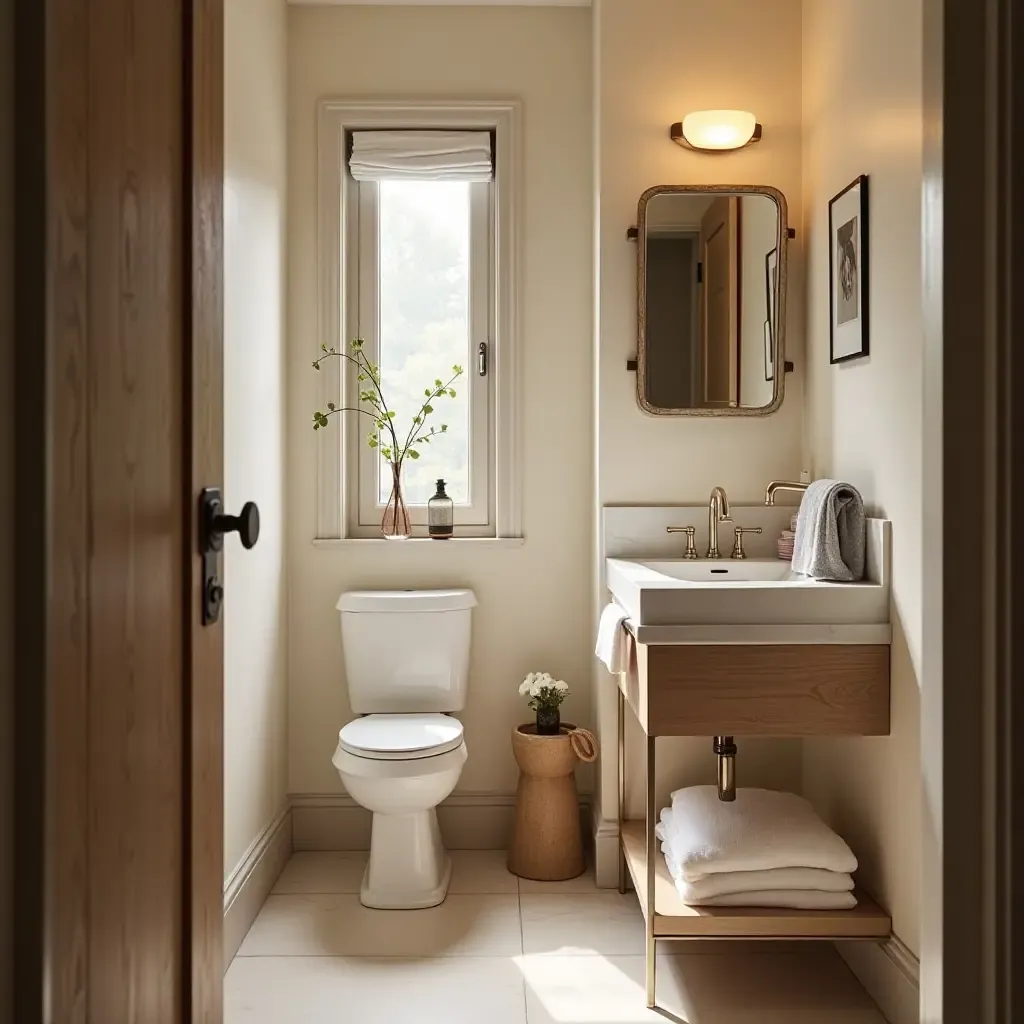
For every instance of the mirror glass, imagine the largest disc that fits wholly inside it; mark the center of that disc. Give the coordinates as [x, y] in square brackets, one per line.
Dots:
[712, 264]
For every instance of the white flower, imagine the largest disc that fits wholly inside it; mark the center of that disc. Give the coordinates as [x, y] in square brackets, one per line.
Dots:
[543, 686]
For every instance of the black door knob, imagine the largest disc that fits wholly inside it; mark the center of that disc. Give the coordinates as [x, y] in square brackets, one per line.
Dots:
[213, 524]
[247, 523]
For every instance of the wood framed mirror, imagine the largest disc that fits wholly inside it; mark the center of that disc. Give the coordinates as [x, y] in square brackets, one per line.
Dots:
[711, 300]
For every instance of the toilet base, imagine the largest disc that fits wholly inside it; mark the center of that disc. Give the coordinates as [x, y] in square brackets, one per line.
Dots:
[408, 867]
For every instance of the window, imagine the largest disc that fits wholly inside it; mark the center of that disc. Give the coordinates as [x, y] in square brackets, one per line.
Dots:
[425, 268]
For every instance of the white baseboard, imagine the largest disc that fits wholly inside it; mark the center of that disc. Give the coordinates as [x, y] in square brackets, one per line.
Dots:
[606, 853]
[890, 974]
[334, 821]
[468, 821]
[250, 883]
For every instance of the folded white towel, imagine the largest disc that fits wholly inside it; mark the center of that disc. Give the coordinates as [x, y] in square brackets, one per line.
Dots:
[613, 640]
[796, 899]
[728, 883]
[761, 830]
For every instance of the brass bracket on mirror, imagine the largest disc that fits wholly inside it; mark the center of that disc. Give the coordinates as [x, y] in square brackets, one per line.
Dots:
[711, 300]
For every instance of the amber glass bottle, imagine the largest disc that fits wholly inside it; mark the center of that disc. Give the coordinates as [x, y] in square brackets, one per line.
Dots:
[440, 514]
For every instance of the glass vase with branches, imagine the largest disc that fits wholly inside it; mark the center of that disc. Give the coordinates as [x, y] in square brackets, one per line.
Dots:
[393, 444]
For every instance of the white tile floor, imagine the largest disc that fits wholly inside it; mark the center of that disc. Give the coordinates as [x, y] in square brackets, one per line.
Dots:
[500, 950]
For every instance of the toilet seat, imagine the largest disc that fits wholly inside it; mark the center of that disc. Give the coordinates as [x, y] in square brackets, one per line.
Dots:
[400, 737]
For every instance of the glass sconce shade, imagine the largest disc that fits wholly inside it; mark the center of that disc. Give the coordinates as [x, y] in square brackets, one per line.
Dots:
[717, 130]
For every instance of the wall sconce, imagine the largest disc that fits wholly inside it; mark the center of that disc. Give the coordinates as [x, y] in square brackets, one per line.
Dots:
[716, 130]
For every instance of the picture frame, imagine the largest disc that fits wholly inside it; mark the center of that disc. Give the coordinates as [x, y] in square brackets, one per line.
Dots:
[848, 273]
[769, 351]
[771, 281]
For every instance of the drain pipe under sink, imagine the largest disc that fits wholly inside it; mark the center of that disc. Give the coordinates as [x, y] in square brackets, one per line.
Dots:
[726, 751]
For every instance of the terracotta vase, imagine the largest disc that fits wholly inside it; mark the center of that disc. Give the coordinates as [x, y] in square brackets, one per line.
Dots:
[547, 843]
[396, 524]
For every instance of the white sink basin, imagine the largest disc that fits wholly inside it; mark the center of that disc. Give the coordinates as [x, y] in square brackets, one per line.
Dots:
[756, 592]
[723, 570]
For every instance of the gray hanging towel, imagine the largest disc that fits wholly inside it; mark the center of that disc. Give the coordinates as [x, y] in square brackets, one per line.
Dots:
[829, 542]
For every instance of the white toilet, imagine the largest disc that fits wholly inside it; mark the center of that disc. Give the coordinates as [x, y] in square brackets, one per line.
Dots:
[407, 661]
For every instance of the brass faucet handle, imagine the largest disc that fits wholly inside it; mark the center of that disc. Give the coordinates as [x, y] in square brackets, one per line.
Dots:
[737, 550]
[690, 531]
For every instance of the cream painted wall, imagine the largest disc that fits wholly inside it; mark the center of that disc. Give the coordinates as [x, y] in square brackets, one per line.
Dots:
[6, 489]
[655, 60]
[863, 115]
[255, 611]
[535, 600]
[759, 226]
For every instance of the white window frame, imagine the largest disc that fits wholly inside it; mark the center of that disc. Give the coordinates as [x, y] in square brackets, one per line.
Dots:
[338, 512]
[477, 517]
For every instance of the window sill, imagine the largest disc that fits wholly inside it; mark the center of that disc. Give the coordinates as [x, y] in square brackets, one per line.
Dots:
[418, 542]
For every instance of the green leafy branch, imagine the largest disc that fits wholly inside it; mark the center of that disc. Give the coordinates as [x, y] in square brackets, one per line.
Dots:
[384, 435]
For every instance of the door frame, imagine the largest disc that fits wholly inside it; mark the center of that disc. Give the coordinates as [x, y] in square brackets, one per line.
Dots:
[971, 934]
[973, 785]
[731, 225]
[51, 511]
[204, 451]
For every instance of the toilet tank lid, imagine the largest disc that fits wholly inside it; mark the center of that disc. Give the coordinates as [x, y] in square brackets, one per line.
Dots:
[406, 601]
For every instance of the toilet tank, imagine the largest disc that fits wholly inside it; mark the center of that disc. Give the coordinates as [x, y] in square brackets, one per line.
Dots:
[406, 650]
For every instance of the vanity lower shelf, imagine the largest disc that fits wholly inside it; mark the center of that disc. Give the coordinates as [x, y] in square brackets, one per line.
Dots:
[675, 919]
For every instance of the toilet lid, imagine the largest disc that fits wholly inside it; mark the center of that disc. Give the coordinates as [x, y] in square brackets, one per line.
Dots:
[401, 737]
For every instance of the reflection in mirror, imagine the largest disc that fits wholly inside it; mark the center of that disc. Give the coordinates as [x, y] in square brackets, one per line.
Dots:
[709, 331]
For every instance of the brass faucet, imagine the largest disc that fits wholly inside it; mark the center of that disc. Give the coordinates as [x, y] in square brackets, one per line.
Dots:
[718, 512]
[781, 485]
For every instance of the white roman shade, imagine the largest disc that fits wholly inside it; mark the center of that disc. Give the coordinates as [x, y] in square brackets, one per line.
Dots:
[431, 155]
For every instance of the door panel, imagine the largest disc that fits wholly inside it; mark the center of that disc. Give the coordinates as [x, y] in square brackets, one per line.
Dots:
[135, 568]
[204, 420]
[124, 303]
[720, 328]
[60, 738]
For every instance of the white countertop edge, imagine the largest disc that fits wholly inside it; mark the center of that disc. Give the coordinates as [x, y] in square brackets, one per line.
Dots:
[880, 633]
[412, 543]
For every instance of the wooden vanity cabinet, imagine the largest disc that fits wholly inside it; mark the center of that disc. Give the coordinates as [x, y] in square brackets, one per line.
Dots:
[760, 689]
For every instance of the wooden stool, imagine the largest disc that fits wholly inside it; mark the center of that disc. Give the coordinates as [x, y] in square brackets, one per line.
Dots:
[546, 844]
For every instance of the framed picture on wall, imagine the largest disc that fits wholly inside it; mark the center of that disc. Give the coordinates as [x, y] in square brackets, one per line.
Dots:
[771, 283]
[769, 351]
[848, 272]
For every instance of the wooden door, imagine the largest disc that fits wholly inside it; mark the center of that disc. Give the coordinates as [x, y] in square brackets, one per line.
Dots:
[720, 302]
[120, 301]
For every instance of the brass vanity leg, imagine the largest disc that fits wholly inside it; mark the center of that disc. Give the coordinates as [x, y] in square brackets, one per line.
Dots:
[650, 952]
[621, 734]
